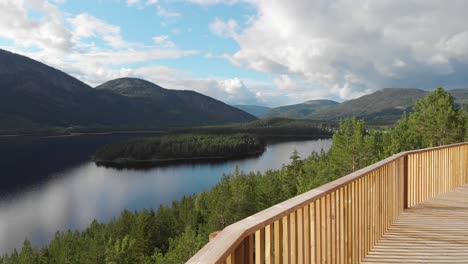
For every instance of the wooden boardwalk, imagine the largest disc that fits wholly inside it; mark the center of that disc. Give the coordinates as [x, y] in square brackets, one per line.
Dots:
[361, 217]
[435, 231]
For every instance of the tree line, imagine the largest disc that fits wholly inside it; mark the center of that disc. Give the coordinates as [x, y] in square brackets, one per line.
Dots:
[171, 234]
[182, 146]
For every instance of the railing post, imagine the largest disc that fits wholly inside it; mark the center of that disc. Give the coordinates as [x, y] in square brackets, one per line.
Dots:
[405, 182]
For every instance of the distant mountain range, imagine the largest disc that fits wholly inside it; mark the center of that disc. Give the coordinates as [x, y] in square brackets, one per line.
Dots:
[300, 111]
[255, 110]
[36, 96]
[382, 107]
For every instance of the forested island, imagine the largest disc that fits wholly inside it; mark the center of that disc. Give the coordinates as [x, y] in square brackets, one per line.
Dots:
[180, 147]
[172, 234]
[207, 143]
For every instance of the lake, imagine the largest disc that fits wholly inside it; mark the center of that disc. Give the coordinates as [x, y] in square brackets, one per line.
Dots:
[50, 184]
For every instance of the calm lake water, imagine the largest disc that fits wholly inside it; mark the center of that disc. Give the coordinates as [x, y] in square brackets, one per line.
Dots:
[49, 184]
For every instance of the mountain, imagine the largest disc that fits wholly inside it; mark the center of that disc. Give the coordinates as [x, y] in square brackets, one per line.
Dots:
[35, 96]
[381, 107]
[255, 110]
[460, 96]
[299, 111]
[176, 107]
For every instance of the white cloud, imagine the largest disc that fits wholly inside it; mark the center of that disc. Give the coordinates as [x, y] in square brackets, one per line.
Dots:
[86, 26]
[163, 41]
[284, 82]
[132, 2]
[140, 3]
[231, 91]
[46, 32]
[346, 48]
[162, 12]
[224, 29]
[70, 44]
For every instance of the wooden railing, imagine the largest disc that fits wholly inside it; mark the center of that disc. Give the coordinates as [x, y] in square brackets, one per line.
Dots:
[341, 221]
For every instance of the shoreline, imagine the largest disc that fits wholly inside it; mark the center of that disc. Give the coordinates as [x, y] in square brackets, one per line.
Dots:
[169, 161]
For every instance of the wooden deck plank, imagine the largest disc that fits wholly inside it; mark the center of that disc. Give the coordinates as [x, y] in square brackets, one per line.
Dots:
[435, 231]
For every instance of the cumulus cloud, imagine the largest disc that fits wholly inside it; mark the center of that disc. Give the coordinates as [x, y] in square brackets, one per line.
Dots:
[224, 29]
[68, 43]
[86, 26]
[353, 47]
[45, 32]
[231, 91]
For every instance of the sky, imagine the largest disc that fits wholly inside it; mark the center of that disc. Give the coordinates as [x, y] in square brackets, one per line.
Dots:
[263, 52]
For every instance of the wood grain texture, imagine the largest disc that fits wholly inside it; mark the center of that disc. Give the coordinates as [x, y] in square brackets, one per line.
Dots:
[344, 220]
[434, 231]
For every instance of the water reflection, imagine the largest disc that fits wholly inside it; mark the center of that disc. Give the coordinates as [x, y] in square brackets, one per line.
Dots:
[71, 199]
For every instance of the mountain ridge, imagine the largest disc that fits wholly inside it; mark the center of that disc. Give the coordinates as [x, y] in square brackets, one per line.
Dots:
[35, 96]
[299, 111]
[256, 110]
[384, 106]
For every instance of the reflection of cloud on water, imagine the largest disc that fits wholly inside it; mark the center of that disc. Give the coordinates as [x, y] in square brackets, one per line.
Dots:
[72, 202]
[64, 203]
[72, 199]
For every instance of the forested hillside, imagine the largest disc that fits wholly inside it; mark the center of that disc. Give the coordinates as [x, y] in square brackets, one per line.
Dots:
[300, 111]
[171, 234]
[35, 97]
[383, 107]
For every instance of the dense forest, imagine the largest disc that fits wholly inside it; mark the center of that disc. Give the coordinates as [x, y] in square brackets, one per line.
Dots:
[268, 128]
[180, 147]
[171, 234]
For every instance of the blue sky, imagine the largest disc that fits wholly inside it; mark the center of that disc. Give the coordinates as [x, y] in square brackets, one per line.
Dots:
[265, 52]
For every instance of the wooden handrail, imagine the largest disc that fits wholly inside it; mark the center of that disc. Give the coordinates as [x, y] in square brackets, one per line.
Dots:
[339, 222]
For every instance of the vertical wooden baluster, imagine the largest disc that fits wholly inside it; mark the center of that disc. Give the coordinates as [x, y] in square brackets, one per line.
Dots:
[307, 234]
[323, 231]
[333, 226]
[300, 235]
[342, 226]
[318, 230]
[364, 214]
[361, 241]
[278, 239]
[260, 246]
[239, 255]
[269, 242]
[313, 233]
[293, 234]
[286, 238]
[347, 209]
[374, 208]
[328, 227]
[353, 222]
[249, 250]
[385, 200]
[360, 213]
[231, 259]
[381, 203]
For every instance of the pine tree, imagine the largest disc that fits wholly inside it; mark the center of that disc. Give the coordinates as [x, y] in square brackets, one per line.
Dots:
[27, 255]
[436, 120]
[350, 150]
